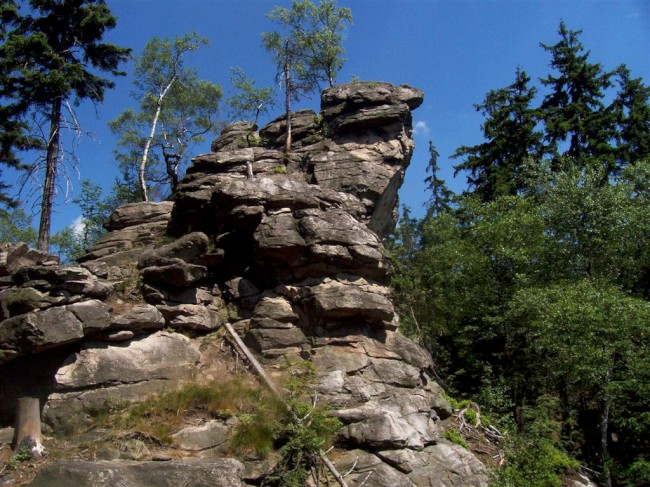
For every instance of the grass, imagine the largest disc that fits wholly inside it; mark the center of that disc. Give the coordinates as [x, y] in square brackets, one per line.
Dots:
[163, 415]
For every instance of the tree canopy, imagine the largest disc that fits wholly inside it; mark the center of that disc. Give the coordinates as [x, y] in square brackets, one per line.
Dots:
[176, 109]
[51, 55]
[307, 49]
[531, 288]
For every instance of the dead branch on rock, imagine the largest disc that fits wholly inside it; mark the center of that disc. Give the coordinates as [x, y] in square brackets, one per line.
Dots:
[267, 381]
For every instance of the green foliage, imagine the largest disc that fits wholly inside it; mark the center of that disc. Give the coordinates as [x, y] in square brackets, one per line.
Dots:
[307, 48]
[454, 436]
[60, 42]
[280, 170]
[23, 455]
[534, 464]
[162, 415]
[302, 432]
[543, 292]
[176, 109]
[248, 101]
[15, 226]
[573, 111]
[440, 197]
[494, 166]
[637, 475]
[533, 455]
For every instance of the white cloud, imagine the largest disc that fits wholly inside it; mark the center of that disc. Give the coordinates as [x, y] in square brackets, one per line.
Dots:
[78, 225]
[420, 128]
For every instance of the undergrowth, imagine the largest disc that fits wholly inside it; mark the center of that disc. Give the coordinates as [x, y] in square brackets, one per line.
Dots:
[162, 415]
[296, 427]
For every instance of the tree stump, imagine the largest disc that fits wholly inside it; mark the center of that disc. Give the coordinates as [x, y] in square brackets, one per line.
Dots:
[28, 427]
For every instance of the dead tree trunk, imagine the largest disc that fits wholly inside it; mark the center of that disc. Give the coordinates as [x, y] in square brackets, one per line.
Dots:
[28, 426]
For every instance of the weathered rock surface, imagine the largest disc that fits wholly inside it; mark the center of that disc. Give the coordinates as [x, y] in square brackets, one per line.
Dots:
[292, 255]
[102, 374]
[224, 472]
[35, 332]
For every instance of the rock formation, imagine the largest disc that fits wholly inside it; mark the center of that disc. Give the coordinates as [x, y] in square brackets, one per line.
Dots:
[292, 257]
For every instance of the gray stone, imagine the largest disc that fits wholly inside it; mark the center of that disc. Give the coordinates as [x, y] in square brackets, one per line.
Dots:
[370, 471]
[119, 336]
[16, 256]
[158, 356]
[93, 314]
[262, 339]
[132, 214]
[34, 332]
[191, 317]
[241, 288]
[346, 299]
[206, 436]
[446, 464]
[276, 308]
[16, 301]
[187, 248]
[224, 472]
[138, 318]
[179, 274]
[235, 136]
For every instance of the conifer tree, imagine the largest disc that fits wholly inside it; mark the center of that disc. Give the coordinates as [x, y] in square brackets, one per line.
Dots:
[13, 130]
[494, 166]
[573, 112]
[632, 111]
[50, 51]
[440, 196]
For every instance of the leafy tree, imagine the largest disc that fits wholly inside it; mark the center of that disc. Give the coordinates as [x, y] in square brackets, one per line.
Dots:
[591, 337]
[16, 226]
[94, 212]
[249, 101]
[494, 166]
[50, 50]
[14, 134]
[573, 111]
[176, 110]
[327, 23]
[307, 50]
[441, 197]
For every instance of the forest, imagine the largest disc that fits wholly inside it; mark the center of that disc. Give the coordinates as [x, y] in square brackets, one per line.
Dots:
[530, 289]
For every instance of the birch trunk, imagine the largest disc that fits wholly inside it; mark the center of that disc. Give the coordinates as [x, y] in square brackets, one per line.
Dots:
[152, 134]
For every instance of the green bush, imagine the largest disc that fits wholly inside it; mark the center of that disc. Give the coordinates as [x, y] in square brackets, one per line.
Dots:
[533, 463]
[454, 437]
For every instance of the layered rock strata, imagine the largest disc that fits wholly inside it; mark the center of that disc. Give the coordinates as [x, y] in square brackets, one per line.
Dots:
[288, 248]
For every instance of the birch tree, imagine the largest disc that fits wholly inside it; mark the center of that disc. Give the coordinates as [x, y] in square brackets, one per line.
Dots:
[165, 86]
[306, 50]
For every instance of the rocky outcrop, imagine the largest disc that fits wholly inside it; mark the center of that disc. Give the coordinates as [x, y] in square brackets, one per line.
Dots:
[286, 247]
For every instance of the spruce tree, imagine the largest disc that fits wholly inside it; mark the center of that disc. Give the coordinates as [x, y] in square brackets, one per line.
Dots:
[632, 111]
[440, 196]
[494, 166]
[50, 51]
[576, 120]
[13, 130]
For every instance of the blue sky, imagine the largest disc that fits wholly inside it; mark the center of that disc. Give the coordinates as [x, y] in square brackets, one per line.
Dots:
[454, 50]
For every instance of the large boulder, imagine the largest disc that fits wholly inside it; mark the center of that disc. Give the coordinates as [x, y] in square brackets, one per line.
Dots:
[224, 472]
[102, 374]
[133, 214]
[54, 327]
